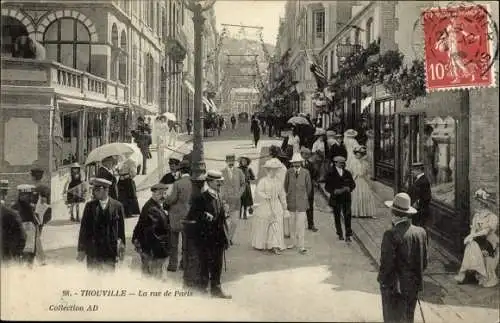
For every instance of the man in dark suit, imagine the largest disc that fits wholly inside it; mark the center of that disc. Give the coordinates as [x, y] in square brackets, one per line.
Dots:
[403, 260]
[13, 233]
[102, 230]
[106, 171]
[338, 147]
[421, 195]
[306, 154]
[171, 177]
[340, 184]
[152, 233]
[208, 230]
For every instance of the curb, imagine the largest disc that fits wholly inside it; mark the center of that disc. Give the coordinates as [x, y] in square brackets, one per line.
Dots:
[153, 173]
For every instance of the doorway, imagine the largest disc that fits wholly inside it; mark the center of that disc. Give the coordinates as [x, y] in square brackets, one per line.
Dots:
[409, 128]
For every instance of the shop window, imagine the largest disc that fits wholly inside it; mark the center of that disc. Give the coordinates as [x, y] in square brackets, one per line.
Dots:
[385, 118]
[439, 157]
[67, 41]
[369, 31]
[70, 128]
[96, 122]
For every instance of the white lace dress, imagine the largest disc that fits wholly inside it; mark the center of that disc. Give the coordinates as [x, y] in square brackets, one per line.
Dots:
[267, 224]
[363, 199]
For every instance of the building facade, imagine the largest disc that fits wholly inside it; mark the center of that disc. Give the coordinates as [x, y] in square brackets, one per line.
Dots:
[444, 130]
[102, 69]
[244, 102]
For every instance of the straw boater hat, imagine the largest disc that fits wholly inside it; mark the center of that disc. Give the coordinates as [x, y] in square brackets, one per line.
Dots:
[26, 188]
[401, 204]
[320, 132]
[296, 158]
[350, 133]
[273, 163]
[214, 175]
[330, 133]
[100, 182]
[75, 165]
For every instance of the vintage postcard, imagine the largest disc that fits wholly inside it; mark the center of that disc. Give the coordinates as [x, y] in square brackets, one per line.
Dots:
[249, 160]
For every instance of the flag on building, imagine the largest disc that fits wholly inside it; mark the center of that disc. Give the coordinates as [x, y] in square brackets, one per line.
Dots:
[318, 72]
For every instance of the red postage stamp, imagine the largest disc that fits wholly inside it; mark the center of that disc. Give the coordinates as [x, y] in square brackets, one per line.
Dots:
[458, 48]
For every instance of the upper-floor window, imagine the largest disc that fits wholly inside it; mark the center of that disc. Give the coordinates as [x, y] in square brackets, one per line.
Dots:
[369, 31]
[319, 22]
[356, 36]
[67, 41]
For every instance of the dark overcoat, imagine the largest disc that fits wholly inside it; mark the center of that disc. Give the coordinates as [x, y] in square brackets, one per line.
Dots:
[421, 196]
[152, 230]
[100, 230]
[334, 181]
[13, 234]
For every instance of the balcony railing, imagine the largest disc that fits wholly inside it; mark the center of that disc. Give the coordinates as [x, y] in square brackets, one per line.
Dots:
[66, 80]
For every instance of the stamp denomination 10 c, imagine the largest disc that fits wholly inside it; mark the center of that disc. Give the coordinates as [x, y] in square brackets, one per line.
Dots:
[458, 48]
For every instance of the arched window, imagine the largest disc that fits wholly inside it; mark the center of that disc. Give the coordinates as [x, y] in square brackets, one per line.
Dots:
[369, 31]
[115, 52]
[67, 41]
[122, 68]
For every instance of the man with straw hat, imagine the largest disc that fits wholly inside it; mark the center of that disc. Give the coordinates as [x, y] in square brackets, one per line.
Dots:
[298, 188]
[403, 260]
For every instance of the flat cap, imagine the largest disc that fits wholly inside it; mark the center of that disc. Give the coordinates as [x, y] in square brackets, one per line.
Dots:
[100, 182]
[214, 175]
[26, 188]
[159, 186]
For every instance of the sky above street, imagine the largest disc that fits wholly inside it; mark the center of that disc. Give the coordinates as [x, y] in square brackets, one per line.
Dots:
[264, 13]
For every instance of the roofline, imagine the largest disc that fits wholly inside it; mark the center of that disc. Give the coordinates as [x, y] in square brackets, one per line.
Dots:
[346, 26]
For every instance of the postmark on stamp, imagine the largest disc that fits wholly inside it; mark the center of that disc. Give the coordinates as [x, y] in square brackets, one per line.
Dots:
[459, 47]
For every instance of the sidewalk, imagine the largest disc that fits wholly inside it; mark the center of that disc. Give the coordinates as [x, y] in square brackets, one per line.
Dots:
[440, 287]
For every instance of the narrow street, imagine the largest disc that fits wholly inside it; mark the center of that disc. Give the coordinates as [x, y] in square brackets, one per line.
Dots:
[327, 284]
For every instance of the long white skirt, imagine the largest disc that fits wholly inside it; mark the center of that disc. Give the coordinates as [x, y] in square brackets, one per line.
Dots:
[363, 199]
[267, 229]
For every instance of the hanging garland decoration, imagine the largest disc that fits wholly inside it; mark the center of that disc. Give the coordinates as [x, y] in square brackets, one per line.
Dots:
[214, 54]
[408, 83]
[264, 48]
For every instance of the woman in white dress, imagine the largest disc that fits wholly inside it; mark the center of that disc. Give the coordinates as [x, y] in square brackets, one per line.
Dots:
[319, 152]
[481, 249]
[294, 140]
[162, 140]
[267, 233]
[363, 199]
[350, 143]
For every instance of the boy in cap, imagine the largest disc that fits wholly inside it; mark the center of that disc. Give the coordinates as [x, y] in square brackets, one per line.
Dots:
[232, 190]
[403, 260]
[151, 236]
[340, 184]
[209, 234]
[102, 230]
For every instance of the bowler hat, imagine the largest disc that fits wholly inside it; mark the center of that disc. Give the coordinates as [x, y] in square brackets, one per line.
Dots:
[230, 157]
[401, 204]
[100, 182]
[174, 161]
[214, 175]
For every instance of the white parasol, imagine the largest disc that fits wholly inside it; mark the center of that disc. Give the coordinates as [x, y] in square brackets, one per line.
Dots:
[114, 149]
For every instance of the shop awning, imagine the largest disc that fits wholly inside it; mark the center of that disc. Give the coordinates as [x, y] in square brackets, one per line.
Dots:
[86, 103]
[212, 105]
[206, 102]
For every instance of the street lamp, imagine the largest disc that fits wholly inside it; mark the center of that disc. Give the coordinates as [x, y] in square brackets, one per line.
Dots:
[198, 166]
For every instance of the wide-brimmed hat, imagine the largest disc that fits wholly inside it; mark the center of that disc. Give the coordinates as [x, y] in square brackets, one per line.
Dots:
[273, 163]
[75, 165]
[214, 175]
[359, 149]
[296, 158]
[350, 133]
[401, 204]
[319, 132]
[247, 159]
